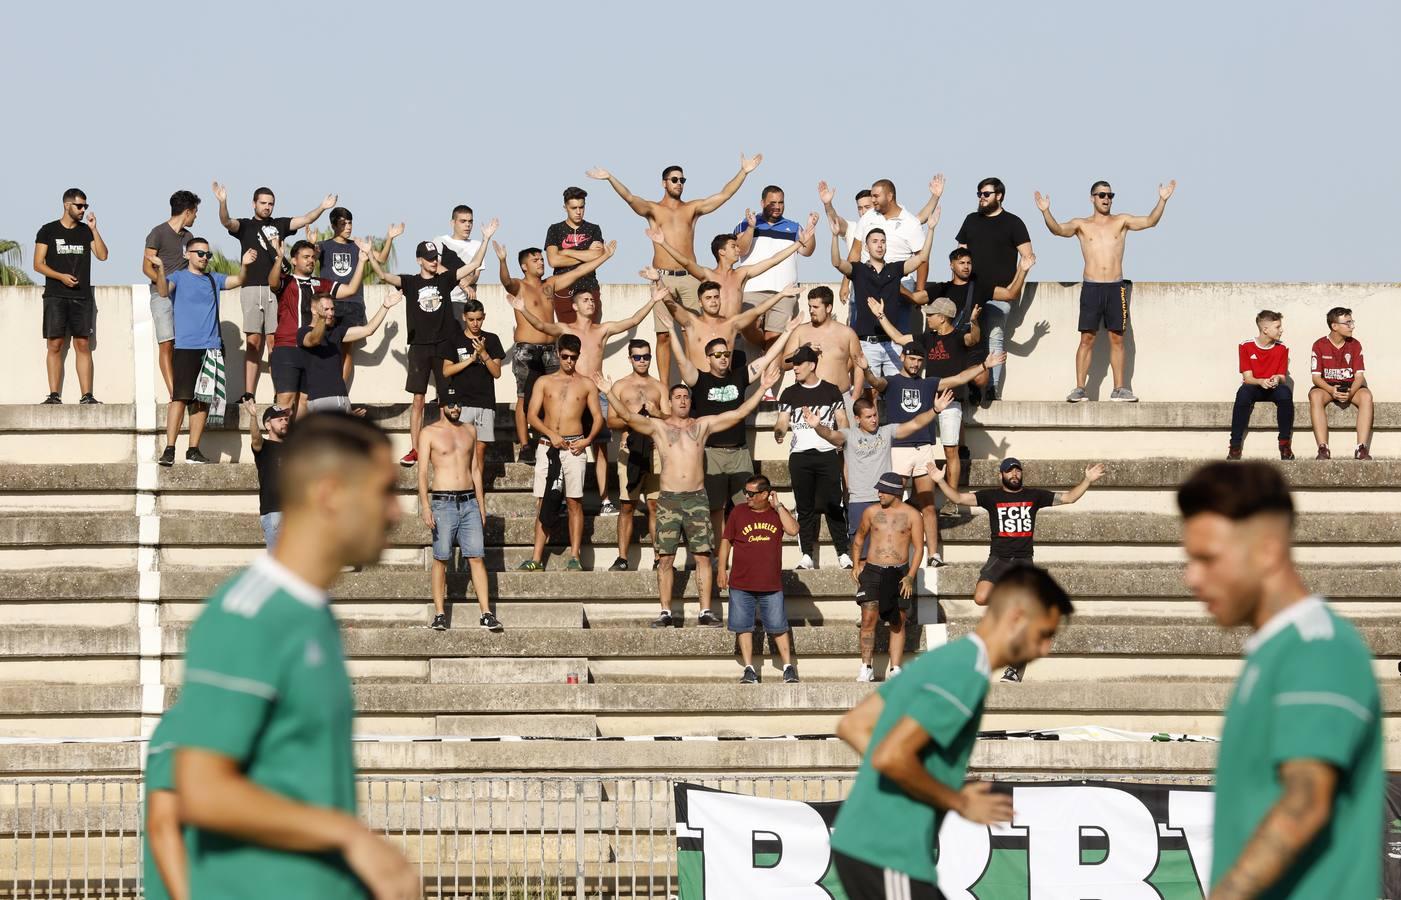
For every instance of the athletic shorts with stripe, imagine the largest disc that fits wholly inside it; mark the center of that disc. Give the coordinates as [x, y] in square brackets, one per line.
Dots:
[863, 881]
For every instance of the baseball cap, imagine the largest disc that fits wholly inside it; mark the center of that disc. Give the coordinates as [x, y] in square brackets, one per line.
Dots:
[275, 412]
[942, 307]
[426, 250]
[890, 483]
[1009, 464]
[912, 349]
[450, 395]
[803, 354]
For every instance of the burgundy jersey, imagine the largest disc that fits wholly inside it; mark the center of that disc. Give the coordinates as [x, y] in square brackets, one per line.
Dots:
[1337, 365]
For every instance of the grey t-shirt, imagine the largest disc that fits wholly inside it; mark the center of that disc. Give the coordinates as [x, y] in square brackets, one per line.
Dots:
[170, 247]
[867, 459]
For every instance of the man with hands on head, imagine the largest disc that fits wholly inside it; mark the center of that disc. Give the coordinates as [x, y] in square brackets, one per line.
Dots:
[63, 253]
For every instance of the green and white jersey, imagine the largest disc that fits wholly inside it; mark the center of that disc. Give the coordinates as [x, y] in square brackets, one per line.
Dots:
[1307, 692]
[160, 776]
[266, 685]
[943, 690]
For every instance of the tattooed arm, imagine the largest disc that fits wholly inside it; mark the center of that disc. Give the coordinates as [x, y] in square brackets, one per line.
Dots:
[1296, 818]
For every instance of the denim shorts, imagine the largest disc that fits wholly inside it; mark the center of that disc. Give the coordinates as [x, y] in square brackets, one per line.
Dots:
[456, 521]
[770, 606]
[272, 523]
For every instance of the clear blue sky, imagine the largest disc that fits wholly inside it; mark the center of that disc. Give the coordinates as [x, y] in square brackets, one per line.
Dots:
[1277, 119]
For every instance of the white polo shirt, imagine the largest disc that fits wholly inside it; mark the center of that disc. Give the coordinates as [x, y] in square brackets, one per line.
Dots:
[904, 236]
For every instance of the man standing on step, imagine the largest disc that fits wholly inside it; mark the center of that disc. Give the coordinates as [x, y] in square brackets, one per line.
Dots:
[761, 239]
[1340, 376]
[452, 503]
[63, 254]
[557, 409]
[755, 532]
[263, 234]
[1264, 372]
[264, 764]
[339, 257]
[713, 324]
[1104, 294]
[474, 360]
[835, 344]
[814, 464]
[267, 458]
[1012, 510]
[456, 249]
[1299, 776]
[323, 344]
[166, 242]
[677, 220]
[637, 464]
[568, 245]
[682, 506]
[915, 736]
[997, 239]
[885, 578]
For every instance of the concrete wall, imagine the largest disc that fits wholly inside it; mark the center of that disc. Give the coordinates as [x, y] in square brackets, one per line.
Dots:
[1181, 342]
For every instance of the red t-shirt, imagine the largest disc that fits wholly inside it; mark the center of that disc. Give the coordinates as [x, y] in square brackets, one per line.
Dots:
[1264, 362]
[756, 561]
[294, 306]
[1337, 365]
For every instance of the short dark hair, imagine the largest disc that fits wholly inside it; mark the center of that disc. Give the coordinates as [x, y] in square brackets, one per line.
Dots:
[1096, 186]
[822, 292]
[299, 246]
[770, 189]
[180, 201]
[760, 482]
[710, 344]
[261, 191]
[340, 214]
[706, 286]
[679, 386]
[461, 208]
[73, 194]
[322, 443]
[195, 240]
[718, 243]
[569, 342]
[862, 194]
[1236, 490]
[1268, 315]
[1037, 582]
[879, 231]
[528, 251]
[995, 183]
[580, 291]
[637, 343]
[862, 405]
[959, 252]
[669, 169]
[575, 193]
[885, 183]
[1337, 313]
[473, 306]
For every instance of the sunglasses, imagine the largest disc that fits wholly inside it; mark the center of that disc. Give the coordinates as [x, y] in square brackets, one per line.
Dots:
[1104, 195]
[677, 179]
[721, 354]
[749, 493]
[641, 357]
[986, 194]
[571, 356]
[202, 254]
[81, 205]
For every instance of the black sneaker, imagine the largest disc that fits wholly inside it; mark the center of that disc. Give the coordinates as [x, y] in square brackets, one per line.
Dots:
[663, 620]
[440, 623]
[168, 457]
[975, 395]
[1011, 674]
[89, 400]
[193, 455]
[619, 565]
[708, 618]
[490, 622]
[790, 674]
[527, 454]
[245, 397]
[51, 400]
[749, 676]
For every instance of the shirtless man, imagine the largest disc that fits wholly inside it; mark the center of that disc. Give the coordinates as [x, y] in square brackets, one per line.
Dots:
[677, 220]
[455, 510]
[533, 354]
[885, 578]
[637, 467]
[681, 506]
[836, 344]
[1103, 293]
[713, 324]
[557, 408]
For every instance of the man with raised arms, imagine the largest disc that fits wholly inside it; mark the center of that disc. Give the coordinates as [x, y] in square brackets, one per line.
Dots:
[681, 507]
[713, 324]
[1104, 298]
[677, 220]
[643, 395]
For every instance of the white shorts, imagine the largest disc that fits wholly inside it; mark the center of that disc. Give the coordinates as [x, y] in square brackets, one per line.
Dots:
[950, 424]
[571, 471]
[911, 462]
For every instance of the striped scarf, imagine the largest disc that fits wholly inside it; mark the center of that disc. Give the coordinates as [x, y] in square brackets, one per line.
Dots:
[210, 388]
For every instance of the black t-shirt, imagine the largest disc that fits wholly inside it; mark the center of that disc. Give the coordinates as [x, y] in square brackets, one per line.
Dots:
[993, 241]
[257, 234]
[322, 363]
[70, 252]
[474, 383]
[711, 396]
[976, 292]
[905, 398]
[945, 355]
[1012, 519]
[267, 458]
[564, 237]
[428, 307]
[883, 285]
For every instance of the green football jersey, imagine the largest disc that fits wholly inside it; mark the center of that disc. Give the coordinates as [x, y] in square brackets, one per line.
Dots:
[266, 686]
[160, 776]
[943, 690]
[1306, 692]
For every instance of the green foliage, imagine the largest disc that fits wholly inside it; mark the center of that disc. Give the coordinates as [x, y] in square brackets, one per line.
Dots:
[12, 265]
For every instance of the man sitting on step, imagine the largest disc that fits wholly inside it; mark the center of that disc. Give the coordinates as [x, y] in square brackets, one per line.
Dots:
[1339, 377]
[1264, 372]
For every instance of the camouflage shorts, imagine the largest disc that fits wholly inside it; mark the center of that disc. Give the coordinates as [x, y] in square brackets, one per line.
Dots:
[685, 512]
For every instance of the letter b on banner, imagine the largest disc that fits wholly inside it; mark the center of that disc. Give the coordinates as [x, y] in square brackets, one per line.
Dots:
[1054, 819]
[730, 825]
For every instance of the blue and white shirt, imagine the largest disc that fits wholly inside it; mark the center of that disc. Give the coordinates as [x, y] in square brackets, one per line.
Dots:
[769, 239]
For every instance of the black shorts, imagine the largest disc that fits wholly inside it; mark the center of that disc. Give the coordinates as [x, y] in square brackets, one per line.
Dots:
[863, 881]
[881, 585]
[288, 373]
[350, 313]
[185, 366]
[998, 566]
[424, 360]
[66, 317]
[1104, 302]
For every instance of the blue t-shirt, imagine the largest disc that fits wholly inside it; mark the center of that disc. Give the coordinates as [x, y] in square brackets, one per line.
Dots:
[338, 263]
[196, 309]
[905, 398]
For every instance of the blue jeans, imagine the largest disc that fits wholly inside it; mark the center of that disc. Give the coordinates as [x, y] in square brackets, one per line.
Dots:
[742, 606]
[995, 331]
[272, 524]
[456, 522]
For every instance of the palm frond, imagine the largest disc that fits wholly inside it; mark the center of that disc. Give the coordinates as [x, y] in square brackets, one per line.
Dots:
[12, 271]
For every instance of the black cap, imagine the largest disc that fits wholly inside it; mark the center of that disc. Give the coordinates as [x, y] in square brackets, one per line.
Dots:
[450, 395]
[1009, 464]
[426, 250]
[803, 354]
[912, 349]
[275, 412]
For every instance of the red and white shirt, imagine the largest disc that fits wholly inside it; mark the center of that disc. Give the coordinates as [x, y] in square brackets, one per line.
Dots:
[1264, 362]
[1337, 365]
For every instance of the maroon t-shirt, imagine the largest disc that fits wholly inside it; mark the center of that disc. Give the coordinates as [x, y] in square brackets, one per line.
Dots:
[756, 561]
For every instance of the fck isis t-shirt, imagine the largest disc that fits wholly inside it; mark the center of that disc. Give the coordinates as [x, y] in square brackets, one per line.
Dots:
[1012, 519]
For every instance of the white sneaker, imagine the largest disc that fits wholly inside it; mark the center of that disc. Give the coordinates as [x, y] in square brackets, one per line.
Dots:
[608, 509]
[844, 561]
[806, 563]
[866, 674]
[934, 561]
[894, 670]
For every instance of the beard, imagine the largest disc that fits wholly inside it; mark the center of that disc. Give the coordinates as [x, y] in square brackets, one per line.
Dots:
[1011, 484]
[454, 414]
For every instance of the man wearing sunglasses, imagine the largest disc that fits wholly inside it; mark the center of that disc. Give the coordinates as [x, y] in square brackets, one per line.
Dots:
[677, 220]
[63, 252]
[642, 395]
[1104, 294]
[755, 532]
[714, 323]
[997, 239]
